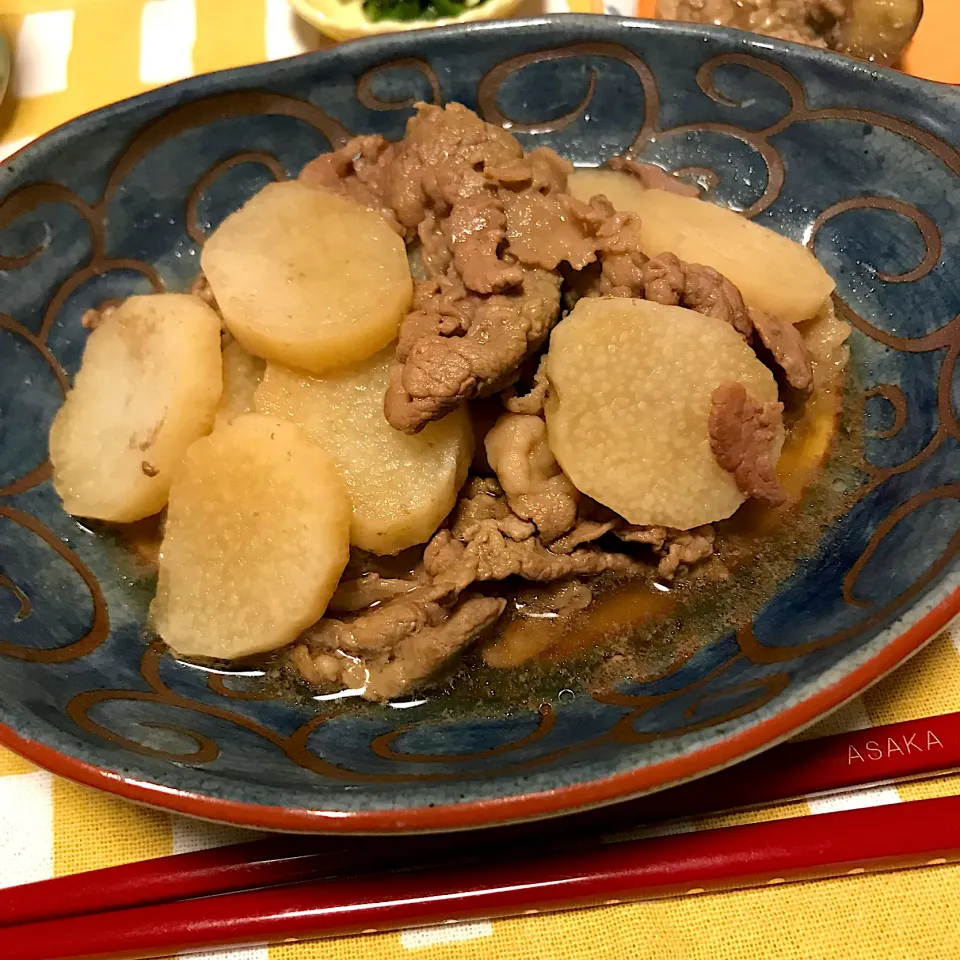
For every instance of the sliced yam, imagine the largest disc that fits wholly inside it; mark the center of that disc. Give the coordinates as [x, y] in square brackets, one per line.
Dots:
[774, 274]
[401, 486]
[256, 538]
[242, 373]
[308, 278]
[147, 388]
[805, 450]
[621, 189]
[629, 402]
[825, 338]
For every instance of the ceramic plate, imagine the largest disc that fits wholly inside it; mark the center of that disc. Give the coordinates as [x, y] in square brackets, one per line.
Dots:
[859, 164]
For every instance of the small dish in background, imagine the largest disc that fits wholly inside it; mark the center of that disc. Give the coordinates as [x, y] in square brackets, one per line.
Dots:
[349, 19]
[873, 30]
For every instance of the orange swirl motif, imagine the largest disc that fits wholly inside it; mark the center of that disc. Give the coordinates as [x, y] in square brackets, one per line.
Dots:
[267, 160]
[26, 607]
[209, 110]
[760, 653]
[946, 337]
[99, 628]
[946, 492]
[295, 746]
[382, 745]
[42, 471]
[218, 684]
[371, 101]
[932, 245]
[767, 688]
[494, 79]
[895, 396]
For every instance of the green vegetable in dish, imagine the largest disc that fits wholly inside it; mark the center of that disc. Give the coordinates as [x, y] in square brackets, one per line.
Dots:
[415, 9]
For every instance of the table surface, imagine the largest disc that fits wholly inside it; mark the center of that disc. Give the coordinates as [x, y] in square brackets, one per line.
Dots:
[73, 57]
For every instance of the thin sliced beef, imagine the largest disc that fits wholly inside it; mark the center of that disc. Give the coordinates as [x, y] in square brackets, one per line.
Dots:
[545, 231]
[742, 437]
[585, 531]
[394, 646]
[535, 486]
[654, 177]
[368, 590]
[540, 171]
[435, 254]
[359, 170]
[441, 160]
[670, 281]
[439, 371]
[473, 232]
[480, 545]
[533, 400]
[673, 548]
[787, 348]
[392, 649]
[684, 548]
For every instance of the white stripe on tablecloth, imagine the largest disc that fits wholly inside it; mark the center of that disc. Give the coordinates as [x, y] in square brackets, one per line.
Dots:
[41, 52]
[240, 953]
[26, 828]
[7, 149]
[854, 800]
[168, 31]
[421, 937]
[190, 835]
[286, 34]
[853, 717]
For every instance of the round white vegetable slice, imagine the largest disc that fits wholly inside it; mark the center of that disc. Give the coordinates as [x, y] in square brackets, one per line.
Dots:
[773, 273]
[147, 388]
[242, 373]
[257, 535]
[308, 278]
[619, 188]
[401, 486]
[629, 402]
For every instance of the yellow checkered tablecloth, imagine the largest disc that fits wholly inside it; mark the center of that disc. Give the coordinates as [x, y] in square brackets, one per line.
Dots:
[70, 59]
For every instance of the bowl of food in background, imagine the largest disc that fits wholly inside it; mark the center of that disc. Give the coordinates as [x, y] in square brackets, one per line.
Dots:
[874, 30]
[476, 425]
[350, 19]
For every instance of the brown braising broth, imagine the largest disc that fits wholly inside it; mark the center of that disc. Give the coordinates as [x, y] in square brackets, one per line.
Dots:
[634, 627]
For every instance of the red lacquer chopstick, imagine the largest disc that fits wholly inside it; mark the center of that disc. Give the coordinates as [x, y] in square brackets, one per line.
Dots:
[881, 754]
[922, 832]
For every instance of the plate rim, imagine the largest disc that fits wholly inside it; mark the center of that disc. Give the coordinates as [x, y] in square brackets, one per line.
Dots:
[521, 807]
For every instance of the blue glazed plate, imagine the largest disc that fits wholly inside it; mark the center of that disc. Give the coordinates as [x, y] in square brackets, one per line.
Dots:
[859, 163]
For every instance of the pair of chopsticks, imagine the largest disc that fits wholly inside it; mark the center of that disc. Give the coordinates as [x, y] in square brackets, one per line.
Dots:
[302, 888]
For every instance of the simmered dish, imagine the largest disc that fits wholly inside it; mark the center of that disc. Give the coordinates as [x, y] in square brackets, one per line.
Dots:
[437, 378]
[875, 30]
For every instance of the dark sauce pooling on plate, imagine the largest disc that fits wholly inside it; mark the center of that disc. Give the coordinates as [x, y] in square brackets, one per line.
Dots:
[635, 627]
